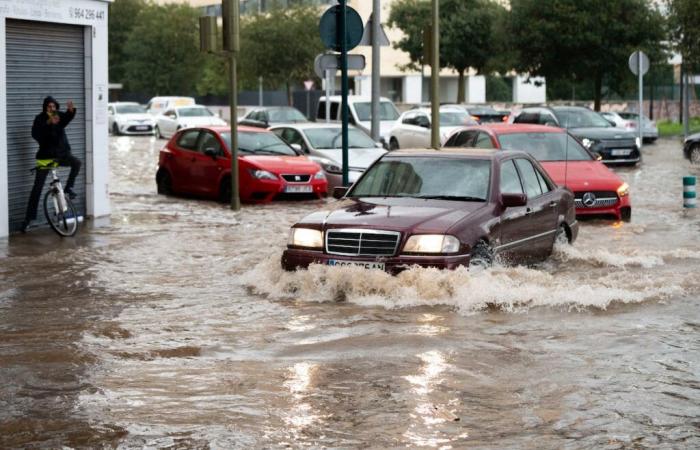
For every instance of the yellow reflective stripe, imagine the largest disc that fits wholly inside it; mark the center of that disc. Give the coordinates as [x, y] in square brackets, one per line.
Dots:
[44, 163]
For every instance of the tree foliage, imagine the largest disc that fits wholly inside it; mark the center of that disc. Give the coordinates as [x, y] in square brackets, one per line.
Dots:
[584, 40]
[122, 18]
[466, 33]
[683, 22]
[162, 50]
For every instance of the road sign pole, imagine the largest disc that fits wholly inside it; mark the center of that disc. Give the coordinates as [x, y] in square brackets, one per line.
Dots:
[435, 78]
[328, 95]
[344, 85]
[376, 8]
[640, 110]
[231, 44]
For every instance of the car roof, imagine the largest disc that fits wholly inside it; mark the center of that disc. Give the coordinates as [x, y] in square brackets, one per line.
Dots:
[510, 128]
[123, 103]
[308, 125]
[475, 153]
[442, 108]
[225, 129]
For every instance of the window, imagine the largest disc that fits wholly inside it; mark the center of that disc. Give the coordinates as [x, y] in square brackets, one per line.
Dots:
[110, 110]
[483, 141]
[188, 140]
[546, 146]
[527, 117]
[409, 119]
[422, 121]
[462, 139]
[209, 141]
[529, 178]
[543, 184]
[548, 119]
[510, 180]
[169, 113]
[292, 136]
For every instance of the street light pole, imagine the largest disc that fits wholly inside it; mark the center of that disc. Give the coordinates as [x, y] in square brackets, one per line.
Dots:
[344, 86]
[376, 24]
[435, 78]
[231, 44]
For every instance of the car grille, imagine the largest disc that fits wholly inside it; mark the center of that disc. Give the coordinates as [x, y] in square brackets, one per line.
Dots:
[354, 242]
[600, 199]
[618, 143]
[140, 128]
[297, 178]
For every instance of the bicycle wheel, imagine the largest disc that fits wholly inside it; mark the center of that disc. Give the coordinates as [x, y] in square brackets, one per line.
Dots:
[65, 223]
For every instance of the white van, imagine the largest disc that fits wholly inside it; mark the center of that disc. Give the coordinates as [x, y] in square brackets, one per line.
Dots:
[360, 113]
[157, 105]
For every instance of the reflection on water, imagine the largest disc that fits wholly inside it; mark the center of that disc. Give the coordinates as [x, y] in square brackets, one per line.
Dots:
[175, 327]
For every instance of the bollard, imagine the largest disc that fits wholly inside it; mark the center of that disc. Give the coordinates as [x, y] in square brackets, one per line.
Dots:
[689, 200]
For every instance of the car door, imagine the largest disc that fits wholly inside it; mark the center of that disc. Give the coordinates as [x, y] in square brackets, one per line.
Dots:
[541, 209]
[205, 168]
[167, 123]
[183, 157]
[514, 220]
[421, 132]
[402, 133]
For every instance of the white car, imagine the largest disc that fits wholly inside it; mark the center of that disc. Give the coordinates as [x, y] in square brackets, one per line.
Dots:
[157, 105]
[629, 120]
[360, 113]
[174, 119]
[322, 142]
[129, 118]
[413, 127]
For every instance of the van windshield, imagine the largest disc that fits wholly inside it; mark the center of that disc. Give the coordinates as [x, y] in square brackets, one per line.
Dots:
[387, 111]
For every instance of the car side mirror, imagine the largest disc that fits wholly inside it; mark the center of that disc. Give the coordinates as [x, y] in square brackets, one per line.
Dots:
[598, 156]
[297, 148]
[210, 152]
[340, 191]
[513, 200]
[424, 125]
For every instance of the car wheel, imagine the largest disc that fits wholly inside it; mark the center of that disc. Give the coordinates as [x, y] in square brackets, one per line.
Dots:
[164, 183]
[694, 155]
[393, 144]
[115, 129]
[225, 191]
[482, 255]
[157, 133]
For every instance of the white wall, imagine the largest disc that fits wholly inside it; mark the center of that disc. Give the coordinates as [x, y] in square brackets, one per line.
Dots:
[93, 15]
[412, 89]
[529, 92]
[475, 89]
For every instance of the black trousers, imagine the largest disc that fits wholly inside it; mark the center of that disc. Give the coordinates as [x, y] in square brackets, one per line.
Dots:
[69, 161]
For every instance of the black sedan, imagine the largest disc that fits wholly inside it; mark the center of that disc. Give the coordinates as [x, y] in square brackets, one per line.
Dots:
[691, 148]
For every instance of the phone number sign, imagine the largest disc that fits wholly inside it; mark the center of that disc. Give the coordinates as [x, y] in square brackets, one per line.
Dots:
[86, 13]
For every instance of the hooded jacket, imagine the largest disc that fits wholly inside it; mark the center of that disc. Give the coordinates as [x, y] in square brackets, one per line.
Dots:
[52, 139]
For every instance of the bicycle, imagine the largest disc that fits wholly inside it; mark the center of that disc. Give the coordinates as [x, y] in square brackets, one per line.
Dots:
[58, 208]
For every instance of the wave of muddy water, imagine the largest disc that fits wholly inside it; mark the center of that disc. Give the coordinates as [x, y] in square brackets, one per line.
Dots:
[174, 327]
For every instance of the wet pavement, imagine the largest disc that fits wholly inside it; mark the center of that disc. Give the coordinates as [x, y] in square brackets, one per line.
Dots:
[173, 326]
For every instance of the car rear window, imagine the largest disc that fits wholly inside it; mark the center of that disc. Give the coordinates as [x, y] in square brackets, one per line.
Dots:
[260, 143]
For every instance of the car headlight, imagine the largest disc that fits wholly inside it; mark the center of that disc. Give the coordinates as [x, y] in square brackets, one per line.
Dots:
[431, 243]
[638, 142]
[588, 143]
[320, 175]
[305, 237]
[262, 174]
[328, 165]
[623, 190]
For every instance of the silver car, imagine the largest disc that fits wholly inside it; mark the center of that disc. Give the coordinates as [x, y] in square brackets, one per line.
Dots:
[322, 142]
[630, 120]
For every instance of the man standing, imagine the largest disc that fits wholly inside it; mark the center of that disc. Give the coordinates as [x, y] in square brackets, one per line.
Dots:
[49, 131]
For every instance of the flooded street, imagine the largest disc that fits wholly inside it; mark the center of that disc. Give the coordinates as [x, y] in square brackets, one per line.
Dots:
[174, 326]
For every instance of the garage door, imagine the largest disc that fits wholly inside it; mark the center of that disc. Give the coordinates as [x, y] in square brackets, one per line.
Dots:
[42, 59]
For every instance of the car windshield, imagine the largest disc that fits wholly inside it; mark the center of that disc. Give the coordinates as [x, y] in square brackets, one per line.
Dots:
[546, 146]
[286, 115]
[130, 109]
[454, 118]
[324, 138]
[194, 112]
[426, 177]
[581, 118]
[259, 143]
[387, 111]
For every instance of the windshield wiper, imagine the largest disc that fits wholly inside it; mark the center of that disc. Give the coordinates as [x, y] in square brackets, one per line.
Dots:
[464, 198]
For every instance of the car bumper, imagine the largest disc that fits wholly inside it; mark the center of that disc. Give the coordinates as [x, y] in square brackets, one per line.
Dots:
[264, 191]
[135, 129]
[293, 259]
[612, 210]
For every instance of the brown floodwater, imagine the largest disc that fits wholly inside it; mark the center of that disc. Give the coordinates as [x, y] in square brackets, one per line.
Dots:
[173, 326]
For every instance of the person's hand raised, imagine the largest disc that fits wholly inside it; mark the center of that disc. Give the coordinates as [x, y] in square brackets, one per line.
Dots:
[70, 106]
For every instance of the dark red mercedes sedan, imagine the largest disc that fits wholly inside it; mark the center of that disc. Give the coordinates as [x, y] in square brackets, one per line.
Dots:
[439, 208]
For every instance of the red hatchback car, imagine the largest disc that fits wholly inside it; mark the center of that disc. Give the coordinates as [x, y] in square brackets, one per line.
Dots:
[198, 161]
[597, 189]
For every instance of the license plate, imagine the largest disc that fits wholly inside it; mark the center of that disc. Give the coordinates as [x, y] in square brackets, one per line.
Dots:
[291, 189]
[142, 127]
[620, 151]
[366, 265]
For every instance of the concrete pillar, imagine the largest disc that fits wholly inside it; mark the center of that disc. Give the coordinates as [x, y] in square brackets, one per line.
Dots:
[412, 91]
[475, 89]
[363, 85]
[529, 92]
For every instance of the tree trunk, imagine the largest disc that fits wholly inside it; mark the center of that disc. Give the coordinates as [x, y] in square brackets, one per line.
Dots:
[290, 100]
[598, 91]
[460, 87]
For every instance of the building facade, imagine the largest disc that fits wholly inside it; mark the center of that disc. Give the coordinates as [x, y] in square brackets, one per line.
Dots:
[56, 48]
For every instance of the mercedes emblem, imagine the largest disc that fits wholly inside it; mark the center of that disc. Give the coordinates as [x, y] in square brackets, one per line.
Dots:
[588, 199]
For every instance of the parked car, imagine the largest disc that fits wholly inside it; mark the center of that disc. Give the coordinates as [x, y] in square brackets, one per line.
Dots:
[485, 113]
[691, 148]
[174, 119]
[597, 189]
[630, 120]
[157, 105]
[197, 161]
[615, 145]
[360, 113]
[266, 116]
[438, 208]
[412, 130]
[322, 142]
[129, 118]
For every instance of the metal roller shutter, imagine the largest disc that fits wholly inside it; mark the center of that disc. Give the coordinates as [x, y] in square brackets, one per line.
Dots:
[42, 59]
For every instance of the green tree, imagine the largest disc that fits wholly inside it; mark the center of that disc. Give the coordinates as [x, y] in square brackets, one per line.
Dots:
[162, 50]
[122, 18]
[586, 40]
[683, 22]
[466, 33]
